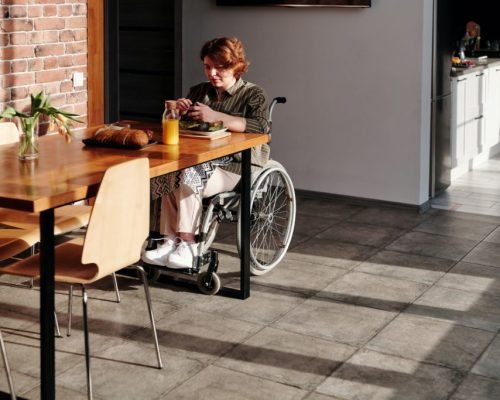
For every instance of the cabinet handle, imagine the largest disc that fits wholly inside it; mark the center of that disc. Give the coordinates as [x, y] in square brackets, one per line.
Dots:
[481, 74]
[497, 70]
[461, 80]
[480, 117]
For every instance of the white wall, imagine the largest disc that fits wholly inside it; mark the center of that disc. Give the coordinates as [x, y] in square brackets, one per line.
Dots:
[357, 121]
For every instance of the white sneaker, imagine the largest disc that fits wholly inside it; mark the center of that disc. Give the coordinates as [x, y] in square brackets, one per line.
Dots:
[182, 257]
[159, 255]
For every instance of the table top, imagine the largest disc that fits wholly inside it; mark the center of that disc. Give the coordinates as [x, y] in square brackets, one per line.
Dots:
[68, 172]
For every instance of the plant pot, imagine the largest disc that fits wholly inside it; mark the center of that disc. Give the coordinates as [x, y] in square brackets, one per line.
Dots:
[28, 142]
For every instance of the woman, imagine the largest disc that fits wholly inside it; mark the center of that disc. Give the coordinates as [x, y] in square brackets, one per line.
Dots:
[242, 107]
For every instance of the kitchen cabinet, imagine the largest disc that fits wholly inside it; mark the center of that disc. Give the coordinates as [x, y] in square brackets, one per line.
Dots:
[468, 109]
[492, 115]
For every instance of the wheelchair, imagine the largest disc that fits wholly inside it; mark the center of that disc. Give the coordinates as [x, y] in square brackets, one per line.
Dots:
[272, 221]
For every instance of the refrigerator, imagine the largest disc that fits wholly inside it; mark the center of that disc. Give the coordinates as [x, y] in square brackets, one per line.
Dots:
[441, 98]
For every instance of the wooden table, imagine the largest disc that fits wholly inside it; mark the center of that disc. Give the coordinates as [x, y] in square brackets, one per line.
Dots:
[65, 173]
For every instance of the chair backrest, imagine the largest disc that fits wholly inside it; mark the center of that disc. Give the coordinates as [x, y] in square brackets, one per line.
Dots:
[8, 133]
[119, 223]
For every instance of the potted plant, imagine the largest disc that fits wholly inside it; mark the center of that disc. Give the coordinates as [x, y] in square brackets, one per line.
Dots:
[29, 123]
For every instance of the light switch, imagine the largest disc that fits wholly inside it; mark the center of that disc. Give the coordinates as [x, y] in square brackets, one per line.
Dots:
[77, 79]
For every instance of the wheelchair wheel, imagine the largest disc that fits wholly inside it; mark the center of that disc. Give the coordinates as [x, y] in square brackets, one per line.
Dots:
[272, 218]
[207, 284]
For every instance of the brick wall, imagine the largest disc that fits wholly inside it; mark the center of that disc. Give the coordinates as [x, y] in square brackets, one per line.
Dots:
[42, 43]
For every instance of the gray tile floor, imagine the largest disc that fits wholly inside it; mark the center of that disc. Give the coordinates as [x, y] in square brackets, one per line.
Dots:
[369, 303]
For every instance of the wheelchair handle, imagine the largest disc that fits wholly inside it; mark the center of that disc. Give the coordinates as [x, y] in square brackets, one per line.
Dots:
[276, 100]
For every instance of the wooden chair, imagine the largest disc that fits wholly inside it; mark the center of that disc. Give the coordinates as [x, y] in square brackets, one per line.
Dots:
[7, 368]
[117, 230]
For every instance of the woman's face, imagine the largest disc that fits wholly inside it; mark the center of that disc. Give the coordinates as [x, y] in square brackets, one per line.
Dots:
[220, 77]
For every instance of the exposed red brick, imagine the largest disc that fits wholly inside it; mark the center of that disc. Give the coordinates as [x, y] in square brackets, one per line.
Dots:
[76, 22]
[50, 36]
[18, 12]
[35, 64]
[73, 35]
[50, 11]
[4, 96]
[16, 52]
[4, 39]
[50, 76]
[43, 50]
[12, 80]
[19, 66]
[49, 23]
[66, 86]
[35, 11]
[15, 25]
[65, 10]
[76, 47]
[50, 63]
[4, 67]
[18, 38]
[19, 93]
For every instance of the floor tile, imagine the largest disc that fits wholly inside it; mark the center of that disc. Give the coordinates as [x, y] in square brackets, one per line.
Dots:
[493, 237]
[374, 376]
[330, 252]
[486, 254]
[489, 365]
[433, 245]
[406, 266]
[222, 384]
[368, 235]
[374, 291]
[390, 216]
[473, 278]
[478, 388]
[432, 341]
[465, 308]
[299, 276]
[200, 335]
[456, 227]
[326, 208]
[285, 357]
[345, 323]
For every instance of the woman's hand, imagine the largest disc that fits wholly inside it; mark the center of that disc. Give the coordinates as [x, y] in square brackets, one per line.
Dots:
[183, 105]
[202, 112]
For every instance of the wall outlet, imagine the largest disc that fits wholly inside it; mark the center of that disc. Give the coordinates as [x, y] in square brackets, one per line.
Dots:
[77, 79]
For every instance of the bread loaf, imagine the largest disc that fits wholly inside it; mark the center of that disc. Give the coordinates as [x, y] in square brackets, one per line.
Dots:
[121, 136]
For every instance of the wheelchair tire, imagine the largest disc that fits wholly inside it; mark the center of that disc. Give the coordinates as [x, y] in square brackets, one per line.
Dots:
[208, 287]
[272, 218]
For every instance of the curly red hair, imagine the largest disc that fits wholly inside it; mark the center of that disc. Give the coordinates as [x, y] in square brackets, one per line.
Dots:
[228, 53]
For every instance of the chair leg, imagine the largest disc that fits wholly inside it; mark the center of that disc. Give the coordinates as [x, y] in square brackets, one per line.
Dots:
[56, 326]
[151, 317]
[7, 368]
[115, 284]
[87, 345]
[70, 310]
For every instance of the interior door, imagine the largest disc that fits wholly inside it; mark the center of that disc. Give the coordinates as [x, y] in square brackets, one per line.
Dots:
[143, 57]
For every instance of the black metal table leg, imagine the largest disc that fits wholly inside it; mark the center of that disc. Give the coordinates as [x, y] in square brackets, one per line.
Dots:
[244, 291]
[245, 224]
[47, 286]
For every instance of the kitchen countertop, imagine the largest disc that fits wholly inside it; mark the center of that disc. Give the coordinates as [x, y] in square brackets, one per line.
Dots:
[478, 67]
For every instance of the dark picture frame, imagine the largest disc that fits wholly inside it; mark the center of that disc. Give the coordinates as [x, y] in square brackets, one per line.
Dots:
[296, 3]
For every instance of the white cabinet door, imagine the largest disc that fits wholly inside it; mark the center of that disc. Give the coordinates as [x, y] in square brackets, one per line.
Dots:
[458, 123]
[492, 112]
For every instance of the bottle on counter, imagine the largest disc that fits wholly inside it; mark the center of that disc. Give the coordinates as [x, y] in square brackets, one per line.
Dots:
[170, 123]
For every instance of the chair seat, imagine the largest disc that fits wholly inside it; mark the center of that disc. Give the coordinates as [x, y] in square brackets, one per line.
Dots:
[14, 241]
[69, 267]
[66, 219]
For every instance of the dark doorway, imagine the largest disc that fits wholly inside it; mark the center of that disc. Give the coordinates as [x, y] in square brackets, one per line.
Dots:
[143, 57]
